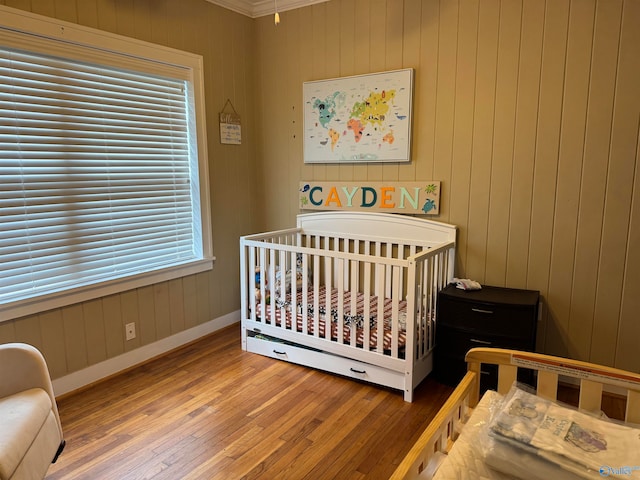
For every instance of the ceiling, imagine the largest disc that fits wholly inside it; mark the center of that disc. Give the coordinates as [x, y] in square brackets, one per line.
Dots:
[259, 8]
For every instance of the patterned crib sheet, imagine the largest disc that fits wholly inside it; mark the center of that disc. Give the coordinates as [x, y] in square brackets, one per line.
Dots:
[354, 320]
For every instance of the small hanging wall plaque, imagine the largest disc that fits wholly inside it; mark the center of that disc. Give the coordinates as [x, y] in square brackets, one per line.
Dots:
[230, 128]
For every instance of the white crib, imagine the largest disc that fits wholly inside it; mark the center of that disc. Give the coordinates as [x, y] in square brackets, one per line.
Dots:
[352, 293]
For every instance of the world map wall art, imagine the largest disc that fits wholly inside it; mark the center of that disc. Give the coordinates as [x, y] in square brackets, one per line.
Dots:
[364, 118]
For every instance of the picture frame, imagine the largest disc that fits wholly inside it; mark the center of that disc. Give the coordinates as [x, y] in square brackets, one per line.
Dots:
[359, 119]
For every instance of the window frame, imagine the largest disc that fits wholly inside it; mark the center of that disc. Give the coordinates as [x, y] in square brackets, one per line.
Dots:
[56, 37]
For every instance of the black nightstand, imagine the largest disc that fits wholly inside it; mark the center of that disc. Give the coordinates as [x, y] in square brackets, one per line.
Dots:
[490, 317]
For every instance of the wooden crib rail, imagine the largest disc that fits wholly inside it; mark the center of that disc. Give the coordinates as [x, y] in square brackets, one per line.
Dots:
[592, 378]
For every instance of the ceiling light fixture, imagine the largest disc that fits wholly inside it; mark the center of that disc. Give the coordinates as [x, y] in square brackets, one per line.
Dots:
[276, 18]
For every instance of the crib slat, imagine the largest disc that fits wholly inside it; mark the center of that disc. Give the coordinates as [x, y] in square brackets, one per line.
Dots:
[340, 266]
[304, 290]
[282, 291]
[338, 270]
[272, 285]
[395, 312]
[316, 295]
[378, 291]
[367, 306]
[420, 307]
[353, 307]
[290, 268]
[506, 376]
[411, 328]
[265, 283]
[387, 290]
[547, 385]
[430, 299]
[443, 269]
[632, 414]
[355, 272]
[590, 395]
[380, 283]
[328, 268]
[253, 264]
[402, 249]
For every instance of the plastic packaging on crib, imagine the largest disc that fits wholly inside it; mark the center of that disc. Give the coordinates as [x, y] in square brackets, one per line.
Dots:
[532, 438]
[465, 460]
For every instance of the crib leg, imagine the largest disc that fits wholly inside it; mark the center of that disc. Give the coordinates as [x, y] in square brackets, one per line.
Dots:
[408, 394]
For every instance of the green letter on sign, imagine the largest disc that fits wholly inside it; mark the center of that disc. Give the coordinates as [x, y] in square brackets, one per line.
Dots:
[364, 197]
[314, 202]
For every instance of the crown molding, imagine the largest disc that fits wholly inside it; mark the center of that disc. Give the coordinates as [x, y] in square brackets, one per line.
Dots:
[260, 8]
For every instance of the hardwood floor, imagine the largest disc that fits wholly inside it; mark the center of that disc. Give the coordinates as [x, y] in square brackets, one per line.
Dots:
[210, 410]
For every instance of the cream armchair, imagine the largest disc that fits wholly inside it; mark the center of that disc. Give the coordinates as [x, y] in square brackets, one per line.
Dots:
[30, 430]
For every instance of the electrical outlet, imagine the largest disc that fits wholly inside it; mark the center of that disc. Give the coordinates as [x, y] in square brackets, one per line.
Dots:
[130, 331]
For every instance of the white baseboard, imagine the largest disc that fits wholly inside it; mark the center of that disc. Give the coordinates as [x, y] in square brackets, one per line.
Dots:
[92, 374]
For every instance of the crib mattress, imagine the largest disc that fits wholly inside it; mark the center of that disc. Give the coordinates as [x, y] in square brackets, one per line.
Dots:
[354, 321]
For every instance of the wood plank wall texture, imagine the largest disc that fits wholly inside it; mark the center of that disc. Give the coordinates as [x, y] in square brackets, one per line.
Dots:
[526, 110]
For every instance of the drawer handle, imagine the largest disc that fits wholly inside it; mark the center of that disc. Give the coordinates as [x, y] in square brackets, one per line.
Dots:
[279, 353]
[357, 371]
[480, 310]
[483, 342]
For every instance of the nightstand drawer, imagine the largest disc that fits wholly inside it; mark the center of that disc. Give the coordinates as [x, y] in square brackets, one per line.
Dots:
[504, 320]
[457, 343]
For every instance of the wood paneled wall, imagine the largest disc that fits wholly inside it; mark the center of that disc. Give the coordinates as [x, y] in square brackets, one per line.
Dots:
[528, 111]
[81, 335]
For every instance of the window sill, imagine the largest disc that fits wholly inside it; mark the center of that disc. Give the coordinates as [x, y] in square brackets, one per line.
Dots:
[51, 301]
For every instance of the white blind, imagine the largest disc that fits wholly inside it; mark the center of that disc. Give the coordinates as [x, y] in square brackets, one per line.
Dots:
[99, 178]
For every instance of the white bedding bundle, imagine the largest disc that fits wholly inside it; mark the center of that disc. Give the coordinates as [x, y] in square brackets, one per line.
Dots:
[526, 437]
[583, 444]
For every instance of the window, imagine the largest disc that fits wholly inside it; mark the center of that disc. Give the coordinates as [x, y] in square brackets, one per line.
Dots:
[103, 166]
